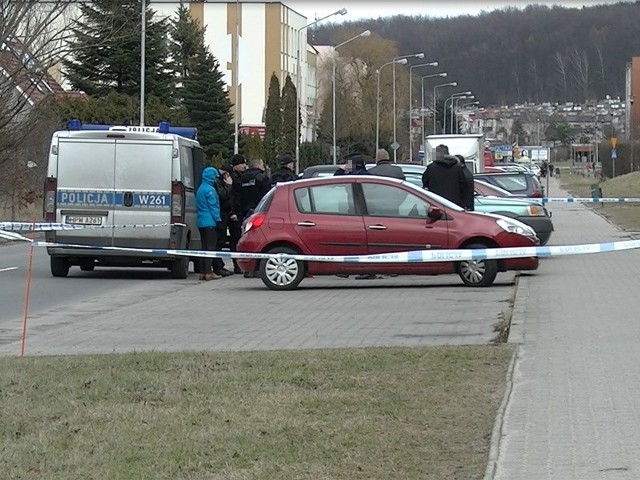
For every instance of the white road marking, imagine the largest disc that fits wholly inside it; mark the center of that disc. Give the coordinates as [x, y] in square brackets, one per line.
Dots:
[8, 269]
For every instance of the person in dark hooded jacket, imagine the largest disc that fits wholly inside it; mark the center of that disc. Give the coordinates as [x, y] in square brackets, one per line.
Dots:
[285, 173]
[446, 177]
[356, 165]
[255, 185]
[208, 217]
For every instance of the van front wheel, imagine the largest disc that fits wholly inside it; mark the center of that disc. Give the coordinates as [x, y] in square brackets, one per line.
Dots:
[59, 266]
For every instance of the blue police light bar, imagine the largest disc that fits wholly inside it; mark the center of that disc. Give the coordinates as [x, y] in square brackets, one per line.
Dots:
[163, 127]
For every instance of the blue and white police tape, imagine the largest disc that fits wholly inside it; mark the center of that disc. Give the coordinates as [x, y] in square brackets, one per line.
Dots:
[416, 256]
[588, 200]
[50, 226]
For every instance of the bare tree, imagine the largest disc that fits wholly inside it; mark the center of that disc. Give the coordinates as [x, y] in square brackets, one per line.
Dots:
[580, 72]
[561, 68]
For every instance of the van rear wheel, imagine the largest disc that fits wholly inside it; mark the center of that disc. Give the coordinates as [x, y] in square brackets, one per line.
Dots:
[180, 268]
[59, 266]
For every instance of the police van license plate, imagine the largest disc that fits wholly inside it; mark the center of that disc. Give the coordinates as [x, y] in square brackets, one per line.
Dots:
[83, 220]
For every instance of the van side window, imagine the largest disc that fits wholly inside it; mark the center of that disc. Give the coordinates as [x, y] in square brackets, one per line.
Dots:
[198, 165]
[186, 165]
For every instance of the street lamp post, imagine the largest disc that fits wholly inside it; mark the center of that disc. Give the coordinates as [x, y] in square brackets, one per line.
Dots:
[395, 142]
[453, 107]
[401, 61]
[462, 106]
[443, 74]
[444, 108]
[450, 84]
[342, 11]
[366, 33]
[431, 64]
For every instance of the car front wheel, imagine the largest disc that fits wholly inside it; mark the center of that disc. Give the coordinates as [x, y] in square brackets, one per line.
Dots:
[477, 273]
[281, 273]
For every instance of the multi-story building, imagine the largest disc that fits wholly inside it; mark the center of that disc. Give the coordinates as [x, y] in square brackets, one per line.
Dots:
[253, 40]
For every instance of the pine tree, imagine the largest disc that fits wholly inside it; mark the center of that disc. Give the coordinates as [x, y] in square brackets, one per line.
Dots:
[108, 55]
[273, 122]
[201, 89]
[289, 108]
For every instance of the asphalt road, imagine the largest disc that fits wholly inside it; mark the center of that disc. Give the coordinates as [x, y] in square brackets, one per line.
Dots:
[116, 310]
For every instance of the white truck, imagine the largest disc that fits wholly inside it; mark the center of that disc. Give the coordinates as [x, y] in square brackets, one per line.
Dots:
[470, 146]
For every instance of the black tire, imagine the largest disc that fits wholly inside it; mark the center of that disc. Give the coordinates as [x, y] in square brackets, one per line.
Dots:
[477, 273]
[180, 268]
[59, 266]
[282, 274]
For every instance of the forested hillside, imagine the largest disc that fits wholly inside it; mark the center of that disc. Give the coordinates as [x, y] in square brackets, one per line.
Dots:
[540, 54]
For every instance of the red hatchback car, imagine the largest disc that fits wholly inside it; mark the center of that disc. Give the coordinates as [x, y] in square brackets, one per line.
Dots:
[367, 215]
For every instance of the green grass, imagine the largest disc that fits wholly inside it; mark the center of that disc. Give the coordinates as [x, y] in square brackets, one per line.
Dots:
[625, 215]
[379, 413]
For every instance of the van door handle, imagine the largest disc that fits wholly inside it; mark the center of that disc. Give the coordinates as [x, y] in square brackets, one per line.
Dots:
[306, 224]
[127, 199]
[378, 227]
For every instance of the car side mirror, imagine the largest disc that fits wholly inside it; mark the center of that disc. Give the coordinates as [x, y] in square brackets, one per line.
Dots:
[434, 213]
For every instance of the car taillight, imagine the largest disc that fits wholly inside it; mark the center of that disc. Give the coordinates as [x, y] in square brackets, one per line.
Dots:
[254, 221]
[177, 202]
[536, 194]
[49, 204]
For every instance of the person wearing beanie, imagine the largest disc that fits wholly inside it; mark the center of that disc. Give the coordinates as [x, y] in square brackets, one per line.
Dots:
[384, 167]
[285, 173]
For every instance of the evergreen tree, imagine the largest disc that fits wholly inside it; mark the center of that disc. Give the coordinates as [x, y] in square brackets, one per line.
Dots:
[289, 113]
[273, 122]
[201, 90]
[107, 51]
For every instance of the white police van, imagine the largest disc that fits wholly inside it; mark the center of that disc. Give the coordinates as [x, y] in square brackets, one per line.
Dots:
[132, 186]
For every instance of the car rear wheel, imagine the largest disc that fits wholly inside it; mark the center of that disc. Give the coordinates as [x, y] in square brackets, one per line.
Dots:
[59, 266]
[477, 273]
[281, 273]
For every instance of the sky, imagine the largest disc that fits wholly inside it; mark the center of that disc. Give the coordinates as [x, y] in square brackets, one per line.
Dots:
[358, 9]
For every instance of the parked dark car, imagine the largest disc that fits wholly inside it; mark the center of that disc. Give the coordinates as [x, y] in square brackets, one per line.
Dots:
[319, 171]
[369, 215]
[520, 184]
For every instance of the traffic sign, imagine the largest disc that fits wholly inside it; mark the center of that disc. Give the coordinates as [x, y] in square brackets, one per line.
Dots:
[395, 145]
[614, 153]
[614, 142]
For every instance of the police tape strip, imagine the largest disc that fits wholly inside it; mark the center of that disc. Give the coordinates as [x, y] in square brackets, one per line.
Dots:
[416, 256]
[48, 227]
[586, 200]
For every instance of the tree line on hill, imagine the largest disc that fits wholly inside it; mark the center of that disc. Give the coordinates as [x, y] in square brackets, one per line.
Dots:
[538, 54]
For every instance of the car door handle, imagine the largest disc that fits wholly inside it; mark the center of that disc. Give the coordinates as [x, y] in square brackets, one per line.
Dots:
[306, 224]
[378, 227]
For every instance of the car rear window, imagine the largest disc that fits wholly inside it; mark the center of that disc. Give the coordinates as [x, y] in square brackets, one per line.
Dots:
[334, 199]
[511, 183]
[265, 203]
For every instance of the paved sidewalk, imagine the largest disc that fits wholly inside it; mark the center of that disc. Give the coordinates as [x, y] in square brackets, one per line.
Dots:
[574, 407]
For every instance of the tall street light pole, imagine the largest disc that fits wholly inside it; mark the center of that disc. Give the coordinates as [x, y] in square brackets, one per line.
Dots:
[462, 106]
[236, 77]
[444, 108]
[431, 64]
[454, 102]
[435, 104]
[342, 11]
[401, 61]
[395, 141]
[443, 74]
[366, 33]
[143, 48]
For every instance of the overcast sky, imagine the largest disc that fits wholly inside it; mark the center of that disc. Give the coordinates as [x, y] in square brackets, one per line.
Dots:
[357, 9]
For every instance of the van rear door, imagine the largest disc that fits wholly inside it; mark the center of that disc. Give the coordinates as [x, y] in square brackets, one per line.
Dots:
[143, 174]
[85, 193]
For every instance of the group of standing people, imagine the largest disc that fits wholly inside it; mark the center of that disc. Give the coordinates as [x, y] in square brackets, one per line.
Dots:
[227, 196]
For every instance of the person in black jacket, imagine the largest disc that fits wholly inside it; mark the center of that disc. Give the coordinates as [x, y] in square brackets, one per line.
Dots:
[446, 177]
[236, 168]
[255, 185]
[285, 173]
[224, 187]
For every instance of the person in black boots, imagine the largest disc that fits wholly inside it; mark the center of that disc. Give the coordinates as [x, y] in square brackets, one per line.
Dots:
[236, 168]
[223, 185]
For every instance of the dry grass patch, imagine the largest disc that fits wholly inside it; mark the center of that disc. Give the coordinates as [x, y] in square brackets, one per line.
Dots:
[625, 215]
[379, 413]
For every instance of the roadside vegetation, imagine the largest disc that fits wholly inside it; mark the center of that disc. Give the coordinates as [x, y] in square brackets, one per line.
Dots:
[378, 413]
[626, 215]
